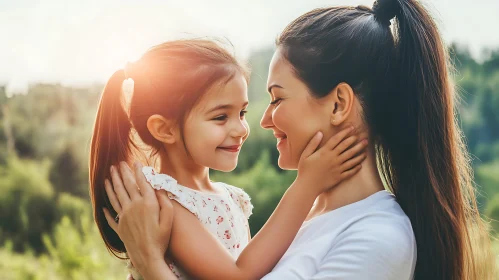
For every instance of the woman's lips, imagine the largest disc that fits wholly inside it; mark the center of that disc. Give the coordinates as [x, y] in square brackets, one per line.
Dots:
[281, 139]
[280, 136]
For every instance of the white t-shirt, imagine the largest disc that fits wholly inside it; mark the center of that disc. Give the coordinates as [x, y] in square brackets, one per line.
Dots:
[369, 239]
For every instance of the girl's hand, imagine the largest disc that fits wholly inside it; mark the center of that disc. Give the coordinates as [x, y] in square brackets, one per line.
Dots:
[145, 216]
[337, 160]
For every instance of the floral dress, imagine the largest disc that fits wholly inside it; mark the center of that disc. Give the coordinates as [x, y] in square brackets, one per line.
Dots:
[225, 214]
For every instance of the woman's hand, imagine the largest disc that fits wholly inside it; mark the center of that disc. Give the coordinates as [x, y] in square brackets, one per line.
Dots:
[340, 158]
[145, 216]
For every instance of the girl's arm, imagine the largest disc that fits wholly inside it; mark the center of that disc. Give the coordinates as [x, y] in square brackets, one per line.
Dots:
[196, 250]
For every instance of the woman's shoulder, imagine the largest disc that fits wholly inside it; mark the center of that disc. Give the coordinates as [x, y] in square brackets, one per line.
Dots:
[384, 223]
[377, 224]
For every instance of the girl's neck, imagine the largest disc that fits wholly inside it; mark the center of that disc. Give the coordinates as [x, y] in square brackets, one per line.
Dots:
[186, 172]
[363, 184]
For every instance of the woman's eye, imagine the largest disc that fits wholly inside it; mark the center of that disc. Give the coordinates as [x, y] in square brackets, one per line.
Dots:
[275, 101]
[220, 118]
[243, 113]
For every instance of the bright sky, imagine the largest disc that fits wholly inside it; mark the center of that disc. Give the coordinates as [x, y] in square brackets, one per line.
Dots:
[84, 41]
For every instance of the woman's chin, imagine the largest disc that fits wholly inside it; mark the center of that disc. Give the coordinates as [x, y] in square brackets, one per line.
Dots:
[286, 164]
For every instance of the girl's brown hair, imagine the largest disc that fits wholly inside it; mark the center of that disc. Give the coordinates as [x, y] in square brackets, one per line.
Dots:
[168, 80]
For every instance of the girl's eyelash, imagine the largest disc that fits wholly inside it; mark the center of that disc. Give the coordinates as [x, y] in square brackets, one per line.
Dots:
[224, 117]
[220, 118]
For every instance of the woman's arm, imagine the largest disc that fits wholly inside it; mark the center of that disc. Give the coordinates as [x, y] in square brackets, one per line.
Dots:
[199, 252]
[133, 204]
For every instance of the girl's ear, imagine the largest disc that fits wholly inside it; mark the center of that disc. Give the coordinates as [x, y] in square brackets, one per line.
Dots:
[162, 129]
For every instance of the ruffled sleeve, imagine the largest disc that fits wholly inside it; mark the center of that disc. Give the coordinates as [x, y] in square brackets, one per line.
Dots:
[165, 182]
[242, 199]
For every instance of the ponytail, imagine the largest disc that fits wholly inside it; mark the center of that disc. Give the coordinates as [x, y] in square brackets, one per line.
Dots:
[427, 163]
[401, 79]
[110, 145]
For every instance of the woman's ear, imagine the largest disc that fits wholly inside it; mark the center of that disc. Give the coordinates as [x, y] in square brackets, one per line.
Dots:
[342, 98]
[162, 129]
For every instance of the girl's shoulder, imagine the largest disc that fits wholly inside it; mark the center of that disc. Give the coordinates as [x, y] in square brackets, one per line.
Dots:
[240, 197]
[193, 200]
[183, 195]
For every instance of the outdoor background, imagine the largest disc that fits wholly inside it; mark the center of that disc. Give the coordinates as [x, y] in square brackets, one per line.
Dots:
[57, 54]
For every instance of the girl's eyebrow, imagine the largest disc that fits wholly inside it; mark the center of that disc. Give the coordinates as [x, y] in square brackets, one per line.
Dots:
[225, 106]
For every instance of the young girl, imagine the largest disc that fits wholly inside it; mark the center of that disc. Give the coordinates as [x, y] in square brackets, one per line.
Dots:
[188, 104]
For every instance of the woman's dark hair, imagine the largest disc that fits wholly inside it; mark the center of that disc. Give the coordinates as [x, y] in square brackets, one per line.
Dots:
[168, 80]
[401, 78]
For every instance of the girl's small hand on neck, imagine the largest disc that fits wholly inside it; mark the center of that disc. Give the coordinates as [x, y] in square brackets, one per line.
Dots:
[359, 186]
[337, 160]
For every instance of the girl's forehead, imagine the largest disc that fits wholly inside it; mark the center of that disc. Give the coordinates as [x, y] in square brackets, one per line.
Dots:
[233, 93]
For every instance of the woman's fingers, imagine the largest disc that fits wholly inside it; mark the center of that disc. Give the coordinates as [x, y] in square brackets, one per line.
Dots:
[112, 196]
[129, 181]
[145, 188]
[165, 208]
[110, 220]
[119, 188]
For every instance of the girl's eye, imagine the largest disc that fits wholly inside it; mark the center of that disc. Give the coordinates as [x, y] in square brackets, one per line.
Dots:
[243, 113]
[275, 101]
[220, 118]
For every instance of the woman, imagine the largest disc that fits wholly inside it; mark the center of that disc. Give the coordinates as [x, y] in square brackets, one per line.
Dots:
[343, 65]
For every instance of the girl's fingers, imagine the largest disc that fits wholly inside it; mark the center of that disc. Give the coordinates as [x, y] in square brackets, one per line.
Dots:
[129, 181]
[351, 163]
[119, 188]
[351, 172]
[345, 144]
[112, 197]
[337, 138]
[145, 188]
[312, 145]
[110, 220]
[348, 154]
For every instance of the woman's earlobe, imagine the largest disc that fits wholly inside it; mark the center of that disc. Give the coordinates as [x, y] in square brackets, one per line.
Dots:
[161, 129]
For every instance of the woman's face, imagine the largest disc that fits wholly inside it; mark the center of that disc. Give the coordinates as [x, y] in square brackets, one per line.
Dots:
[293, 114]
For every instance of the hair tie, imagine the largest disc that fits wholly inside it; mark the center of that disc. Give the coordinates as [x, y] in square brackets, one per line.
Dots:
[385, 10]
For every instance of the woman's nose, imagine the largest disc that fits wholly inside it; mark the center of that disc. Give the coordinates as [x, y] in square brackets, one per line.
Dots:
[266, 121]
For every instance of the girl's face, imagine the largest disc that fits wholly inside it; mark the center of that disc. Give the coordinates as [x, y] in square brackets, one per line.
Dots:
[293, 114]
[216, 128]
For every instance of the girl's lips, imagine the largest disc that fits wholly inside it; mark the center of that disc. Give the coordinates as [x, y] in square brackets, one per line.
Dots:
[233, 149]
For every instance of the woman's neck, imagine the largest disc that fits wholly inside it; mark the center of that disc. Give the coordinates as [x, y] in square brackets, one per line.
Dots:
[186, 172]
[363, 184]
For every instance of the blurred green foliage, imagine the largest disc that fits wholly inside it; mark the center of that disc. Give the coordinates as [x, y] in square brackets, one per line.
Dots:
[46, 228]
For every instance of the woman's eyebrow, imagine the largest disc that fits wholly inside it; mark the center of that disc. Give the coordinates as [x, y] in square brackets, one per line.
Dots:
[269, 90]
